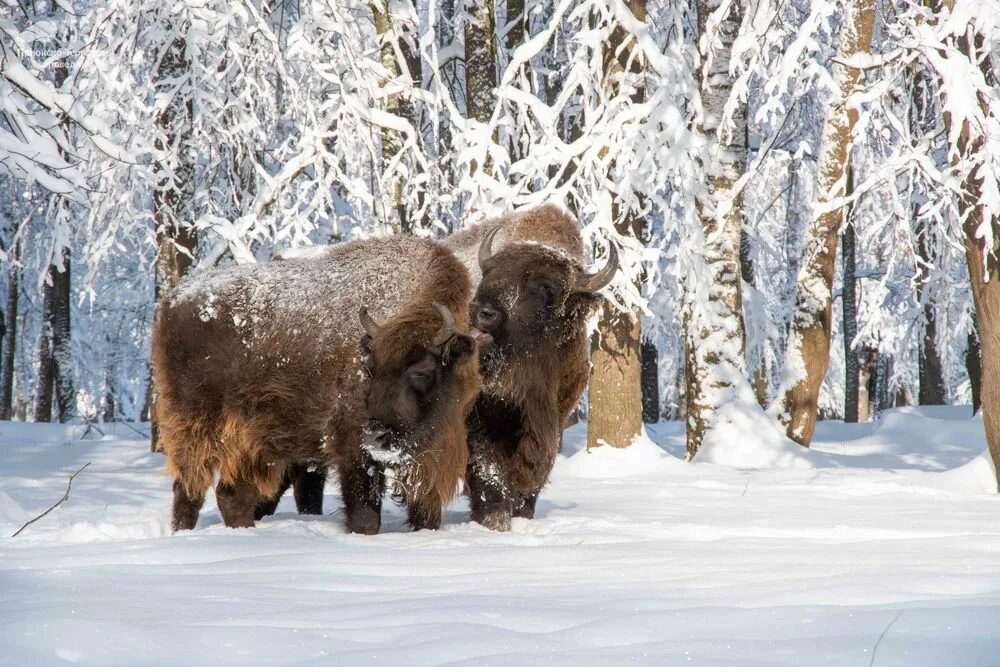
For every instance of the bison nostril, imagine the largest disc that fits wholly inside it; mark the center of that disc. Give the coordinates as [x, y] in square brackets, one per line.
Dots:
[381, 437]
[487, 317]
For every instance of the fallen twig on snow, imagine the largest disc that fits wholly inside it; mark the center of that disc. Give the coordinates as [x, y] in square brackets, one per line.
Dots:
[881, 636]
[65, 497]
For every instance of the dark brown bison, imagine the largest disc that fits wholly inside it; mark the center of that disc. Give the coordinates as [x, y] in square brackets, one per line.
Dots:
[259, 367]
[533, 298]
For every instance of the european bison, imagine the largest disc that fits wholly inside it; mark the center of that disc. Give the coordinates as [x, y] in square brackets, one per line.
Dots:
[533, 299]
[262, 366]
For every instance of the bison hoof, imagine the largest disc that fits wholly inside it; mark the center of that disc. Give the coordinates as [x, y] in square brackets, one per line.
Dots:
[498, 520]
[365, 521]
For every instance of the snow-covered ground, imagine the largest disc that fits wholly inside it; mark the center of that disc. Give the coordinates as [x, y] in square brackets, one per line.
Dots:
[886, 530]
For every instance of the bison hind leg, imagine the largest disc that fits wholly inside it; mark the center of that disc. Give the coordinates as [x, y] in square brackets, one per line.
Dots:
[309, 485]
[186, 507]
[269, 505]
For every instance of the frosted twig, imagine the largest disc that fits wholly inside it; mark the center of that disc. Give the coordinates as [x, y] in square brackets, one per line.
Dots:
[65, 497]
[882, 636]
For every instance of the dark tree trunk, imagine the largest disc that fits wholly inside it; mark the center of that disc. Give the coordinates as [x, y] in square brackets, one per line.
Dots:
[974, 367]
[931, 372]
[849, 303]
[46, 362]
[10, 349]
[62, 356]
[931, 389]
[650, 380]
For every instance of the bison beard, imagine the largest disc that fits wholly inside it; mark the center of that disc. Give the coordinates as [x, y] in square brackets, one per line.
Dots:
[259, 374]
[533, 299]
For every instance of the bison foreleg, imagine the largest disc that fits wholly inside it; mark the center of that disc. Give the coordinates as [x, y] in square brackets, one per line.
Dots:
[309, 488]
[489, 496]
[237, 501]
[361, 485]
[186, 507]
[527, 508]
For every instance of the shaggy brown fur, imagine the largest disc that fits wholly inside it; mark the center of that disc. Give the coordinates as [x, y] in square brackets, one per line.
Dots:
[258, 367]
[536, 368]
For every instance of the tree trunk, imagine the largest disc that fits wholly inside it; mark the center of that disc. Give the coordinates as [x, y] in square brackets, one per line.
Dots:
[868, 359]
[807, 354]
[10, 349]
[931, 390]
[614, 415]
[62, 356]
[930, 369]
[615, 396]
[177, 240]
[984, 265]
[649, 358]
[849, 301]
[714, 334]
[757, 360]
[513, 38]
[390, 30]
[480, 62]
[46, 363]
[974, 367]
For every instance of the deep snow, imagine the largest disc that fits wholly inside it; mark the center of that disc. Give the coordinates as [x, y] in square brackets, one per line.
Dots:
[636, 557]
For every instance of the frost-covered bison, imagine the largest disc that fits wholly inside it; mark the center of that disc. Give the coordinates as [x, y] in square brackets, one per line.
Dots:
[533, 298]
[259, 367]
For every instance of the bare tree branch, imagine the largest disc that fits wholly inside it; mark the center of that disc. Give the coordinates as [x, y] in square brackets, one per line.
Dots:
[65, 497]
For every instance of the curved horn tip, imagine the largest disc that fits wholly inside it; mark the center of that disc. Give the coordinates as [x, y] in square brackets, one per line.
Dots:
[447, 329]
[601, 279]
[370, 326]
[486, 247]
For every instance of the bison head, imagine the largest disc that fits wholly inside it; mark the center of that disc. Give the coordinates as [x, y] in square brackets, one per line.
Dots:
[423, 377]
[532, 294]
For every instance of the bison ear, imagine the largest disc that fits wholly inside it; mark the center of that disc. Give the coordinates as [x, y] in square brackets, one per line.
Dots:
[458, 348]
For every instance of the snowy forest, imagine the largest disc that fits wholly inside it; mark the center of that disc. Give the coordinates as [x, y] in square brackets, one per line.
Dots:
[802, 198]
[799, 190]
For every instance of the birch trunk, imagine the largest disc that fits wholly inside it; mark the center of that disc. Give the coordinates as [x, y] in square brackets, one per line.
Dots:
[615, 395]
[714, 334]
[807, 354]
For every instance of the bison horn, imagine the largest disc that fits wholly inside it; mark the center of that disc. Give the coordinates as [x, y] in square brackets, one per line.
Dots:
[371, 326]
[447, 329]
[595, 281]
[486, 247]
